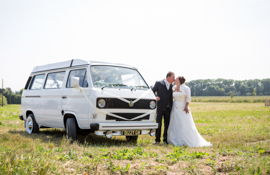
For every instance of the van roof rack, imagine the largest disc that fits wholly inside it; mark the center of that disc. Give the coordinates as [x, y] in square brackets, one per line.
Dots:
[74, 63]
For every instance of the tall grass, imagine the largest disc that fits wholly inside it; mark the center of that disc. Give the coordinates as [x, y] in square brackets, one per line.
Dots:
[240, 134]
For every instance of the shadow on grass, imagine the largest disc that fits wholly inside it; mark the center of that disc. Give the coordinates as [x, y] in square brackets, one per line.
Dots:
[56, 135]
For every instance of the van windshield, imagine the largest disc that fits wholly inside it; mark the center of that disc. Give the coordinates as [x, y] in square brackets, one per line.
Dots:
[117, 77]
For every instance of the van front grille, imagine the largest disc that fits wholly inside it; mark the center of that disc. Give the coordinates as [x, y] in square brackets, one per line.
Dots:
[127, 116]
[115, 103]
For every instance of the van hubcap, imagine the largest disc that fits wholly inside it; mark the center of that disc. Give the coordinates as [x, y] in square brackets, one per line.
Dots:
[29, 125]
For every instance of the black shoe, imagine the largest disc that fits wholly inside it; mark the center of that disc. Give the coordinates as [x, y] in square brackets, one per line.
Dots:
[165, 142]
[156, 143]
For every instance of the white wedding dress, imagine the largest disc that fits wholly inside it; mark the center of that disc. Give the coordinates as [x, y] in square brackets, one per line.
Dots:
[182, 129]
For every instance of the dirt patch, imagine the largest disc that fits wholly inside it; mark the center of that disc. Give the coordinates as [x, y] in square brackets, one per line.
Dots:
[4, 130]
[261, 141]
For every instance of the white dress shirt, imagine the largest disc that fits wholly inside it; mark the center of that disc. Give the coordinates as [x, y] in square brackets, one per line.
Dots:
[167, 84]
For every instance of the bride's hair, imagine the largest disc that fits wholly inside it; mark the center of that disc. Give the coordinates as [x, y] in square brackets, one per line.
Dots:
[181, 79]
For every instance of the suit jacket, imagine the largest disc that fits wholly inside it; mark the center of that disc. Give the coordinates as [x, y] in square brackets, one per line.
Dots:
[165, 95]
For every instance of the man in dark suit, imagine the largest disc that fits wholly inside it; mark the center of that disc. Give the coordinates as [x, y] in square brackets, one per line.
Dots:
[163, 91]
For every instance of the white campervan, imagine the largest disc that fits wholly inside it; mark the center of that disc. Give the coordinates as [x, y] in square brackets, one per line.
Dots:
[88, 96]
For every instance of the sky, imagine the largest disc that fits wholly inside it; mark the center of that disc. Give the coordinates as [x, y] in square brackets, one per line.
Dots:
[196, 39]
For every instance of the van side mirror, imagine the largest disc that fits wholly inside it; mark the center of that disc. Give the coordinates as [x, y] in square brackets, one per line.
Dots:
[75, 82]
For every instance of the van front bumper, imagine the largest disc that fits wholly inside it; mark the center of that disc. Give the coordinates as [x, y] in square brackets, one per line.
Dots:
[122, 126]
[21, 117]
[117, 128]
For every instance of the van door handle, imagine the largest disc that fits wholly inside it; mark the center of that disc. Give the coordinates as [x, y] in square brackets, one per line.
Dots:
[64, 97]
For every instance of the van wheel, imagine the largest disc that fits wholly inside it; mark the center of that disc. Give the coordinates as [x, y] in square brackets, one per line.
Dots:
[31, 124]
[132, 138]
[71, 129]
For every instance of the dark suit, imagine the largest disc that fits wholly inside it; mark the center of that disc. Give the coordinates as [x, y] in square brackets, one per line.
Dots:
[164, 107]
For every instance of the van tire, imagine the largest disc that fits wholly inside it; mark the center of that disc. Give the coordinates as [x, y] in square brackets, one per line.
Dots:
[71, 129]
[132, 138]
[31, 125]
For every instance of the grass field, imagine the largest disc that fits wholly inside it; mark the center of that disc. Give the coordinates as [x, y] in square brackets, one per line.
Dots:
[240, 133]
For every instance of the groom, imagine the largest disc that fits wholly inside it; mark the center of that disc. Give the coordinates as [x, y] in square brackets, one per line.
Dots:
[163, 92]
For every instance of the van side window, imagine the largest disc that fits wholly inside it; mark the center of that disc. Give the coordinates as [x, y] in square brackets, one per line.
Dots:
[37, 82]
[81, 74]
[85, 81]
[28, 82]
[54, 80]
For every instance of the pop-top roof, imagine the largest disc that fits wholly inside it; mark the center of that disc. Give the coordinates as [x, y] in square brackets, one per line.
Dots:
[73, 63]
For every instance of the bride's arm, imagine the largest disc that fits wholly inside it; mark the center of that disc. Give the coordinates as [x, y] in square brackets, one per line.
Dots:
[186, 108]
[188, 99]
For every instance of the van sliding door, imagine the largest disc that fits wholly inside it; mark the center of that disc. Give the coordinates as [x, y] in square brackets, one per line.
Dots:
[51, 100]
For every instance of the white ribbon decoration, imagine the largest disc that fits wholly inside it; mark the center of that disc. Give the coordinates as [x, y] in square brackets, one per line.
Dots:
[120, 98]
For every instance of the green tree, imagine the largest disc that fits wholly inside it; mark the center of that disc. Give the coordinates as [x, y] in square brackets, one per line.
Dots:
[4, 100]
[231, 95]
[8, 94]
[266, 86]
[12, 98]
[223, 87]
[19, 92]
[254, 92]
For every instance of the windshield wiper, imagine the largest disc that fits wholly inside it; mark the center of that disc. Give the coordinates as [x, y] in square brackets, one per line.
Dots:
[103, 87]
[117, 84]
[141, 87]
[112, 85]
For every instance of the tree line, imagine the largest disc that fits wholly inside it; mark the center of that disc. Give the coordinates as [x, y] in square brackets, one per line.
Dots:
[10, 97]
[228, 87]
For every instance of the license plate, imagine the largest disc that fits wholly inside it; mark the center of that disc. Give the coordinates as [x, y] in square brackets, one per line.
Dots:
[132, 132]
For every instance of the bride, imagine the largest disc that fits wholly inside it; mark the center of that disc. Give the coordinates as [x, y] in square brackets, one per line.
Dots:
[182, 129]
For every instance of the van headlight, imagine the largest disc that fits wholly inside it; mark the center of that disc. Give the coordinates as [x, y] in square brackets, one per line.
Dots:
[101, 103]
[152, 104]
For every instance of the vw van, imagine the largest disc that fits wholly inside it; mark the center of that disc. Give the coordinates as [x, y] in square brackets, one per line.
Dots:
[83, 97]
